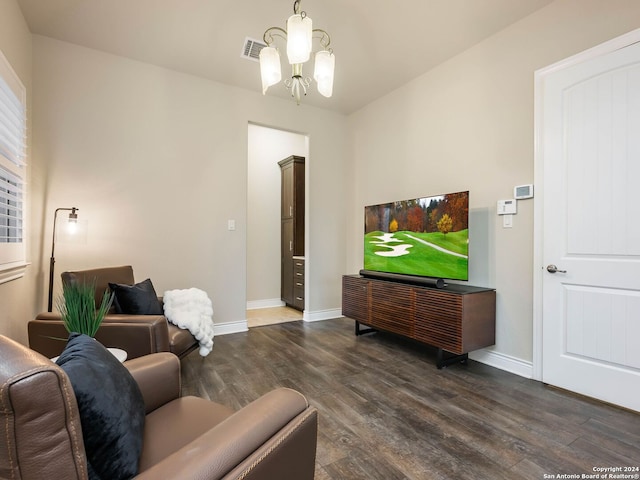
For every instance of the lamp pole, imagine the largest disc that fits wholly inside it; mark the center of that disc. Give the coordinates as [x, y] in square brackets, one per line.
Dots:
[73, 217]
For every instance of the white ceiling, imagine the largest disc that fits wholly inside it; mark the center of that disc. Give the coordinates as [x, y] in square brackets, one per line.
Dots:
[379, 44]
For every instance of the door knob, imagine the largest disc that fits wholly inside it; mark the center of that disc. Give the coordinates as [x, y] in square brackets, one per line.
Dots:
[553, 269]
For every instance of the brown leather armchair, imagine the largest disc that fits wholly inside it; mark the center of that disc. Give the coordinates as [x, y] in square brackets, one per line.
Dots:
[138, 335]
[273, 437]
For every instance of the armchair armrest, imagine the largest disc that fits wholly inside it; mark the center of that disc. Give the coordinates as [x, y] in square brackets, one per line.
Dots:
[158, 377]
[138, 335]
[272, 437]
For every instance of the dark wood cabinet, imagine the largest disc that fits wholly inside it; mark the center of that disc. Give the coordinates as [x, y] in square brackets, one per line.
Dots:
[456, 319]
[292, 231]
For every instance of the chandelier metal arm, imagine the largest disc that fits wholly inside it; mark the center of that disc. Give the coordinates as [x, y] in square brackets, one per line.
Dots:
[298, 83]
[319, 34]
[323, 38]
[273, 32]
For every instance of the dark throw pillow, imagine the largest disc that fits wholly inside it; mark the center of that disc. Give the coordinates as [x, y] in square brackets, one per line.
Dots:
[111, 408]
[138, 299]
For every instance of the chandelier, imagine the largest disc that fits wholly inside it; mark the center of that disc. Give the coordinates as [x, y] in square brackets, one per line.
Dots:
[299, 36]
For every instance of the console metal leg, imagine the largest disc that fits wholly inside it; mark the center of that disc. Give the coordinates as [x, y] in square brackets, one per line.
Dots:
[451, 358]
[364, 330]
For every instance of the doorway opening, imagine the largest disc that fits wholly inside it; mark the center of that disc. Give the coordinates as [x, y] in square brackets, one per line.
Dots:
[266, 147]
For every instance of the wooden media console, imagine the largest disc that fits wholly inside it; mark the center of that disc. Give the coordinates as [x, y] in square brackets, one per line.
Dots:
[456, 319]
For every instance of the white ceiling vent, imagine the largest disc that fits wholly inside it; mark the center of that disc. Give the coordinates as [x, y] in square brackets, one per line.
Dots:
[251, 49]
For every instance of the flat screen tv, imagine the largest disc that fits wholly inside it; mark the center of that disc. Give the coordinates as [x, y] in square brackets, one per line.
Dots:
[424, 237]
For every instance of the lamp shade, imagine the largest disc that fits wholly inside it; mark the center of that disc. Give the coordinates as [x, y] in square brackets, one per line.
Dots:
[299, 38]
[71, 231]
[269, 67]
[323, 72]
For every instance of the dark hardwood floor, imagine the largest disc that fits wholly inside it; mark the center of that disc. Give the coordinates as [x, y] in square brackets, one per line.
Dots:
[386, 412]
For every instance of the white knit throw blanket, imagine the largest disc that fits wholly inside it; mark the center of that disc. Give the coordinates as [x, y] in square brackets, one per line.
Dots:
[191, 309]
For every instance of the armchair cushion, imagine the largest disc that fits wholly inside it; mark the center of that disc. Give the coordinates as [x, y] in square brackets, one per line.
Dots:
[158, 377]
[111, 406]
[138, 299]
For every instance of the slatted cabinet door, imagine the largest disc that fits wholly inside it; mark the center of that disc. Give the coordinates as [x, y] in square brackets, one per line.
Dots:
[439, 320]
[355, 299]
[392, 307]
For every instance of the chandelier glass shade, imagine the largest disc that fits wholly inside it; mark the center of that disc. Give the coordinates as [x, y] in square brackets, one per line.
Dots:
[269, 67]
[299, 36]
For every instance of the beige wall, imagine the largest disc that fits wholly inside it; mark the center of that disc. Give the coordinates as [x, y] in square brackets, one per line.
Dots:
[17, 297]
[468, 124]
[157, 162]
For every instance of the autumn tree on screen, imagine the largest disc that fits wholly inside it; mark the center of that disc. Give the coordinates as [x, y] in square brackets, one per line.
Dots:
[445, 223]
[456, 206]
[415, 219]
[417, 215]
[433, 220]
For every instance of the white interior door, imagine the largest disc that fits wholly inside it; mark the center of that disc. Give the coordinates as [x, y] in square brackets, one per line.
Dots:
[590, 147]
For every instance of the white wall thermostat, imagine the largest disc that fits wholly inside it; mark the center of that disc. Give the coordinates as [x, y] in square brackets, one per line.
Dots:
[523, 191]
[507, 207]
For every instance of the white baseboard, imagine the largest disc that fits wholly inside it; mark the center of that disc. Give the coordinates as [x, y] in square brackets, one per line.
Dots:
[320, 315]
[241, 325]
[503, 362]
[230, 327]
[267, 303]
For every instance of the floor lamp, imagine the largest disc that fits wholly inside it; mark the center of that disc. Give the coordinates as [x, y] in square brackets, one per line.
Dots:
[73, 220]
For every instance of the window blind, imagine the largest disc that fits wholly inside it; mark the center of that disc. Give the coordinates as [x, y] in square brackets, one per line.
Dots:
[13, 131]
[12, 125]
[10, 207]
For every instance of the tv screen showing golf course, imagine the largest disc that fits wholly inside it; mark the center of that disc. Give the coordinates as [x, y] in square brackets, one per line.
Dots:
[427, 237]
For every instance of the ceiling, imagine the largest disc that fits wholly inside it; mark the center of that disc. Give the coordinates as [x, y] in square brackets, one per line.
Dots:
[379, 44]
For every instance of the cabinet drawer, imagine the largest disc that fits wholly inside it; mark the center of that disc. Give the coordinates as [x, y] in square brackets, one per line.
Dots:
[298, 297]
[298, 273]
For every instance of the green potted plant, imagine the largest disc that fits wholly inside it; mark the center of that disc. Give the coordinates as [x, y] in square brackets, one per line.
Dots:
[78, 310]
